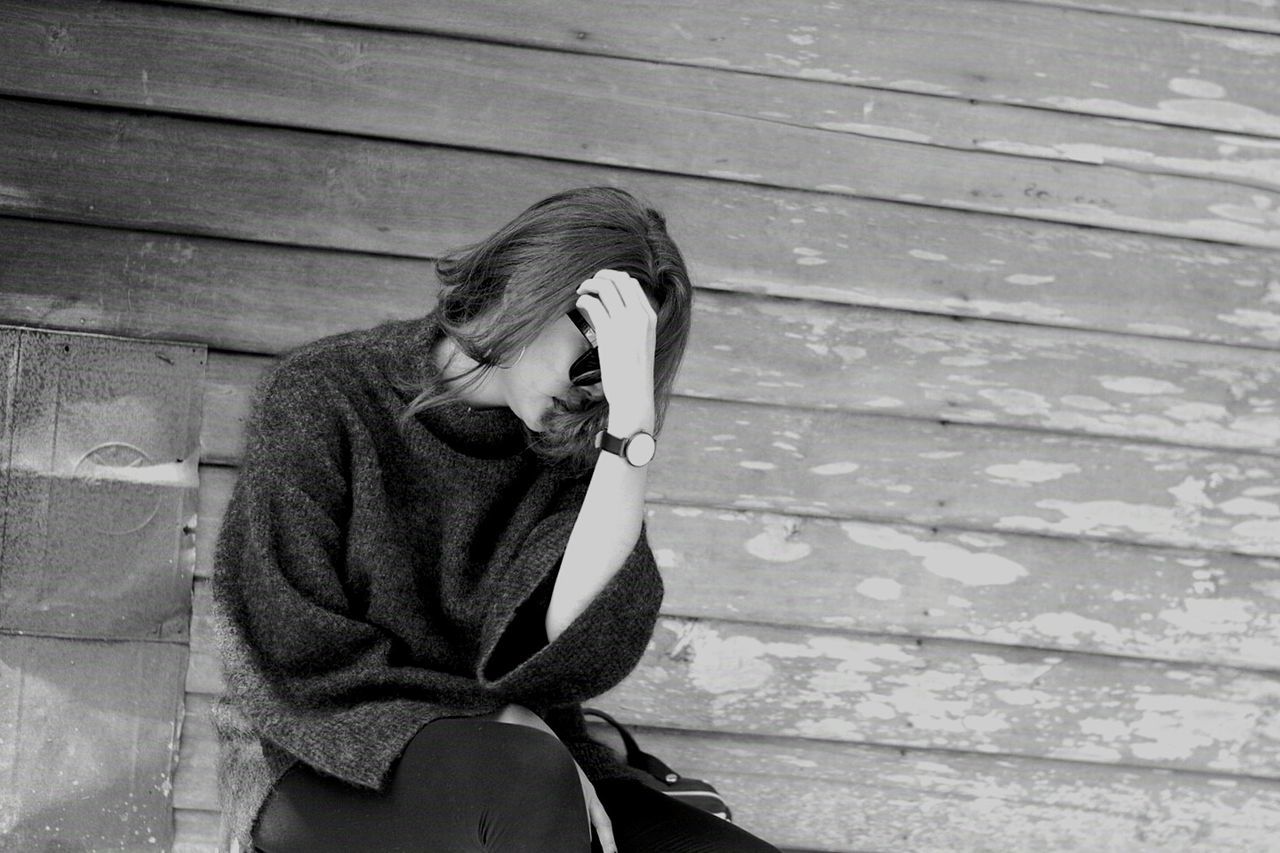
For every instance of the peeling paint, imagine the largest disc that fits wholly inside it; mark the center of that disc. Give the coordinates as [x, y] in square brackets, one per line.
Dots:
[1030, 280]
[881, 589]
[1210, 616]
[943, 559]
[1240, 117]
[1139, 385]
[1028, 471]
[831, 468]
[1196, 88]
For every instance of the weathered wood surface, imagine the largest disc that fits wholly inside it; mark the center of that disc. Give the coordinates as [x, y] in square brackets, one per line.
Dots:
[249, 298]
[961, 579]
[794, 681]
[823, 795]
[916, 542]
[1016, 53]
[449, 91]
[318, 190]
[843, 465]
[982, 373]
[1260, 15]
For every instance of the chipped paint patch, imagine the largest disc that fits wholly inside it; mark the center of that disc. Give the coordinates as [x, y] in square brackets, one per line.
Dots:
[1265, 323]
[831, 468]
[1250, 506]
[734, 176]
[1241, 117]
[1195, 88]
[881, 589]
[1064, 627]
[1098, 518]
[927, 256]
[1027, 471]
[775, 542]
[725, 664]
[995, 668]
[943, 559]
[1177, 725]
[1210, 615]
[1139, 385]
[1268, 588]
[874, 710]
[1029, 280]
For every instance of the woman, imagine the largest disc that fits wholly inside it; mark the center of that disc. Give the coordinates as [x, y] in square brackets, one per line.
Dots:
[428, 562]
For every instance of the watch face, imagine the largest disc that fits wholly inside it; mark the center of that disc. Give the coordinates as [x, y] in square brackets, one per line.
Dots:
[640, 448]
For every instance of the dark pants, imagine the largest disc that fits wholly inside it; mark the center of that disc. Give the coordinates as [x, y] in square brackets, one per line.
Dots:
[467, 785]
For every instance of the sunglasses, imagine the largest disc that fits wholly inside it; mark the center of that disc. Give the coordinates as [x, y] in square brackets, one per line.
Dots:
[585, 369]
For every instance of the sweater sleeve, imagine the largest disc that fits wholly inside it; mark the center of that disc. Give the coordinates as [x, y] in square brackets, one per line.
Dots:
[311, 676]
[598, 649]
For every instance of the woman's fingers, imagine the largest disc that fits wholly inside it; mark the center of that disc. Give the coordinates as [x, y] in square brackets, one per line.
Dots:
[604, 827]
[625, 333]
[596, 815]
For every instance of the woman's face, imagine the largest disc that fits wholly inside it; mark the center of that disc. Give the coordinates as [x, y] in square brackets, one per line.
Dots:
[532, 384]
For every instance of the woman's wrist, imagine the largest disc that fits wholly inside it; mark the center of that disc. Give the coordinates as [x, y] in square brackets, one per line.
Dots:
[626, 420]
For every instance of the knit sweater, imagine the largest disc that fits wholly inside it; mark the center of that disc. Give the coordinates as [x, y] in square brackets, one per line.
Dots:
[368, 581]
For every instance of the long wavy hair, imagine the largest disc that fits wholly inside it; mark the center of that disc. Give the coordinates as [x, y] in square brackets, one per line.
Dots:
[529, 271]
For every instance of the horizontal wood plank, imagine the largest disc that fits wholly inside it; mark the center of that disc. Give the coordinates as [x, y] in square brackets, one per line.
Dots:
[160, 173]
[903, 580]
[1259, 15]
[823, 795]
[1014, 53]
[877, 468]
[922, 120]
[446, 91]
[806, 354]
[794, 681]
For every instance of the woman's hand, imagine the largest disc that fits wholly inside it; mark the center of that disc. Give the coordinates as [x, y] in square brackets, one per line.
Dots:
[626, 328]
[596, 815]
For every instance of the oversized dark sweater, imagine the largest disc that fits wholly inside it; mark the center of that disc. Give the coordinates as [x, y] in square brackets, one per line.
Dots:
[367, 582]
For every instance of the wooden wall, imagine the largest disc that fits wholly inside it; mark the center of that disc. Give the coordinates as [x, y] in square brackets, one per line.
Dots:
[983, 550]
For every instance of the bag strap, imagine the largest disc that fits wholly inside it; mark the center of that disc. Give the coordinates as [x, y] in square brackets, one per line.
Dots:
[637, 757]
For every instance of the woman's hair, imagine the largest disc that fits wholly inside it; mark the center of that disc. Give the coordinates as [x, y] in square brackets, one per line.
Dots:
[528, 271]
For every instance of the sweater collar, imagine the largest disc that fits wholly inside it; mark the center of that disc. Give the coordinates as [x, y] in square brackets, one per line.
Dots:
[485, 433]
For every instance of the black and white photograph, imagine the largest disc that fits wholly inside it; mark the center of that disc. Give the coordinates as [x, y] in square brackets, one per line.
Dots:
[555, 426]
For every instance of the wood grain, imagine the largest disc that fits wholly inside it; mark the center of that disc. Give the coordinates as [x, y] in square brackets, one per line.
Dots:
[713, 124]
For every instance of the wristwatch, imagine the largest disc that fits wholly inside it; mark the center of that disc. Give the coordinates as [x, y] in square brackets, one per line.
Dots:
[637, 448]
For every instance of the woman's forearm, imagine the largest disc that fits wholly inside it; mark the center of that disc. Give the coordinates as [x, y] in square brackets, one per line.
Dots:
[607, 528]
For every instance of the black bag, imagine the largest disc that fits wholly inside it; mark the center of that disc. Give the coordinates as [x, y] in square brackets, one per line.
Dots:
[695, 792]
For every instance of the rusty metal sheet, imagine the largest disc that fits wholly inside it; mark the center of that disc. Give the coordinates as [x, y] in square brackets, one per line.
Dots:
[100, 484]
[89, 733]
[99, 462]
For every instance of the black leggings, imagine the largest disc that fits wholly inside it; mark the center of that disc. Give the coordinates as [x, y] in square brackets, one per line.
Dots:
[465, 785]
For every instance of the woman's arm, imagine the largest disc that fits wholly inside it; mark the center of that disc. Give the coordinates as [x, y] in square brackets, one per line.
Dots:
[607, 528]
[608, 524]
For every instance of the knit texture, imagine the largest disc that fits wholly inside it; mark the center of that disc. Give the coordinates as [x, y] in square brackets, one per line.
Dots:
[366, 582]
